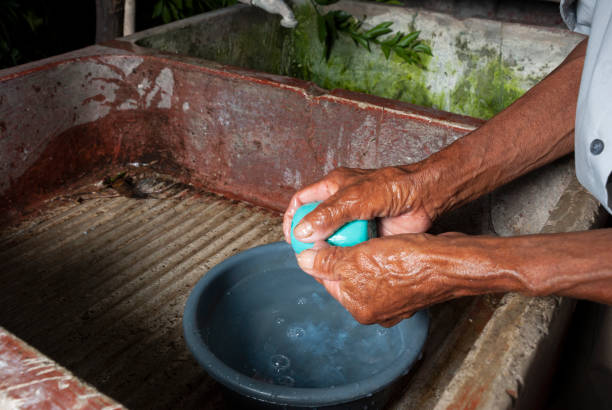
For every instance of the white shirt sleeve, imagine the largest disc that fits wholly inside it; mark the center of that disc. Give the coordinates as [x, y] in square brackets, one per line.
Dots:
[593, 141]
[578, 14]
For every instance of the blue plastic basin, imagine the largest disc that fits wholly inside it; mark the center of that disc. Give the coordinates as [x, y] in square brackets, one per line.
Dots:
[268, 331]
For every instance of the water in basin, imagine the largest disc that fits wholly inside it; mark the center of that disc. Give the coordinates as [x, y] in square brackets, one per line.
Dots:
[296, 334]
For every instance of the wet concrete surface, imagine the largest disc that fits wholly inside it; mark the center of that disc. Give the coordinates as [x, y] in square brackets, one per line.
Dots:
[98, 282]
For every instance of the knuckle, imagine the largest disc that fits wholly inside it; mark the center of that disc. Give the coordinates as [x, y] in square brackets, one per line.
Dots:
[338, 172]
[322, 215]
[389, 173]
[364, 316]
[326, 259]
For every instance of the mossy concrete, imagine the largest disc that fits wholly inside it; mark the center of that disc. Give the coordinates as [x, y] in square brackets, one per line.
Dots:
[479, 66]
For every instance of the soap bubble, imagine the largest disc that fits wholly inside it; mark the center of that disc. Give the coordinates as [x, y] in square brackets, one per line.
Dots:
[280, 362]
[295, 332]
[382, 331]
[279, 320]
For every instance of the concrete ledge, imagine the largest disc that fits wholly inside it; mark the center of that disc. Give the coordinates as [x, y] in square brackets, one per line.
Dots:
[30, 380]
[510, 364]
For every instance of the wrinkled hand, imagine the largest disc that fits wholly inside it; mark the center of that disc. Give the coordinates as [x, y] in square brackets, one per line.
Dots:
[394, 194]
[385, 280]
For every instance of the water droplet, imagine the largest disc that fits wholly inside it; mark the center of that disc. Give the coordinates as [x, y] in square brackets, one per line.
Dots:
[382, 331]
[284, 381]
[302, 301]
[280, 320]
[280, 362]
[295, 332]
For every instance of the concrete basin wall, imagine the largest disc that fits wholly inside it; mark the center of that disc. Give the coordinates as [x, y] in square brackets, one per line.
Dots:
[252, 136]
[479, 66]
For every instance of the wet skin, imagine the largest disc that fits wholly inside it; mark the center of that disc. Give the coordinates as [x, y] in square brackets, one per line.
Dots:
[387, 279]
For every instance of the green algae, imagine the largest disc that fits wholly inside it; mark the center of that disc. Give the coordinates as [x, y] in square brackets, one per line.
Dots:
[485, 84]
[352, 68]
[488, 83]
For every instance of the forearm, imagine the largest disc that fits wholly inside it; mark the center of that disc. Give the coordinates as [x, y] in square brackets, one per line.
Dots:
[386, 279]
[537, 129]
[576, 265]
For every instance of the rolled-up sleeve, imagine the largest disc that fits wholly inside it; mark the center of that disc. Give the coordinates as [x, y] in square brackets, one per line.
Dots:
[593, 141]
[578, 14]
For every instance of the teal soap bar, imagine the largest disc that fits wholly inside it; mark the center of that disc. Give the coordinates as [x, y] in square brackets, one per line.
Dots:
[348, 235]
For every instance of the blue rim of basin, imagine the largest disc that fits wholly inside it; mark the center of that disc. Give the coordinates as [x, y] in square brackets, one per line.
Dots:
[283, 395]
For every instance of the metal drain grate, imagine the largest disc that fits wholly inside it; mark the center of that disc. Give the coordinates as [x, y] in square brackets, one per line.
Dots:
[100, 286]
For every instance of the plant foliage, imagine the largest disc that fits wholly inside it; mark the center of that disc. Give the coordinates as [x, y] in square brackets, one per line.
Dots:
[17, 22]
[331, 24]
[35, 29]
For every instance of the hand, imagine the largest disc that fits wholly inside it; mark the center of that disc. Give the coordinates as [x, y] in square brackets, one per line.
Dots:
[394, 194]
[385, 280]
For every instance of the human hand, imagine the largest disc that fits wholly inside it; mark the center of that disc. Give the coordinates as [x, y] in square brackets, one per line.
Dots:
[395, 194]
[385, 280]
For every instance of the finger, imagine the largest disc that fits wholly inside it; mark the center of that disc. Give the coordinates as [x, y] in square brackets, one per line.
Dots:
[320, 263]
[452, 234]
[320, 245]
[390, 322]
[416, 221]
[319, 191]
[344, 206]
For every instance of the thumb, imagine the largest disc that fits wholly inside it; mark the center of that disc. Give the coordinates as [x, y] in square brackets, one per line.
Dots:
[330, 216]
[321, 263]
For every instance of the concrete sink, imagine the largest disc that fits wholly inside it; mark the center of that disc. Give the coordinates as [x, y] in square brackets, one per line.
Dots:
[97, 278]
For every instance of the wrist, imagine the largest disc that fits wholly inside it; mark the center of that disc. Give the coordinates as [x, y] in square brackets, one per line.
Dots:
[490, 265]
[432, 191]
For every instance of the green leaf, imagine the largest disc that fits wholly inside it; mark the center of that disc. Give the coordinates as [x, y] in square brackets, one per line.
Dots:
[165, 15]
[175, 13]
[33, 20]
[331, 34]
[329, 44]
[422, 48]
[404, 55]
[321, 28]
[404, 42]
[362, 41]
[331, 25]
[341, 17]
[386, 49]
[391, 41]
[157, 10]
[379, 30]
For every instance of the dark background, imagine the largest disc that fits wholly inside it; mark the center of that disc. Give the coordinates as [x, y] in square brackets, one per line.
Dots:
[35, 29]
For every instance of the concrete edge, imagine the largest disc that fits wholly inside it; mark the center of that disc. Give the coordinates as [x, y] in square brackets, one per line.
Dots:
[510, 364]
[29, 379]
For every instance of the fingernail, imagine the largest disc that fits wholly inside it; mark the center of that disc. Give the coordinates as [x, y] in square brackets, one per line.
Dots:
[306, 259]
[303, 230]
